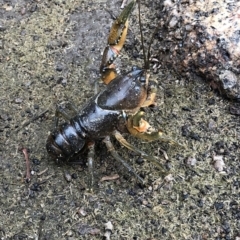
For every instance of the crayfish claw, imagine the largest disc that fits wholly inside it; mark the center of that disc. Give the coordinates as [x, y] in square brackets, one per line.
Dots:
[120, 25]
[116, 40]
[140, 128]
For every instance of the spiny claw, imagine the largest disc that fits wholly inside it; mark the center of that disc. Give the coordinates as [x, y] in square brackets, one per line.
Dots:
[116, 40]
[118, 30]
[142, 129]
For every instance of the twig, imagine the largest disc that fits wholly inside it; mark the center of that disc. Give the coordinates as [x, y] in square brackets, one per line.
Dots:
[28, 170]
[42, 172]
[109, 178]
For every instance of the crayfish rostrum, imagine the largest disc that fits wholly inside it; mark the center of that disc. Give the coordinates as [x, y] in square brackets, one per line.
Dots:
[113, 111]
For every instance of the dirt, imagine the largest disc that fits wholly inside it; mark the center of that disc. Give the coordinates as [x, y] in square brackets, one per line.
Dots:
[50, 54]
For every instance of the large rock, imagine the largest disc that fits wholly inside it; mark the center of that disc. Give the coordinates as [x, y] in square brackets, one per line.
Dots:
[203, 38]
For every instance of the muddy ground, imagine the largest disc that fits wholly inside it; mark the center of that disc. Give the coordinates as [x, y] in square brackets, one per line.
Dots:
[50, 53]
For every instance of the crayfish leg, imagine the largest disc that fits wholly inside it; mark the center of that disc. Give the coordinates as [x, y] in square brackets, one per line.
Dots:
[60, 112]
[114, 153]
[90, 159]
[151, 95]
[128, 145]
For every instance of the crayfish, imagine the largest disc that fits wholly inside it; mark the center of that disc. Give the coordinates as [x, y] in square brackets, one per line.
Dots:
[112, 111]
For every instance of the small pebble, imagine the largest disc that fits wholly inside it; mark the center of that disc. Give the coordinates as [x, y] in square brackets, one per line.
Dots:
[68, 177]
[18, 100]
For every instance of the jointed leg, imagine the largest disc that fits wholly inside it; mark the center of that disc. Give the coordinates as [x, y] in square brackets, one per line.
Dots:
[90, 159]
[112, 150]
[151, 95]
[60, 112]
[124, 142]
[72, 106]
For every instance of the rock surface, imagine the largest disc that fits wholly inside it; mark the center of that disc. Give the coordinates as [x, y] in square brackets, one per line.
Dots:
[203, 38]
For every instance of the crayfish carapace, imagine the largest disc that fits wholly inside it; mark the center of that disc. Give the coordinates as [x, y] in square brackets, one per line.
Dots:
[113, 111]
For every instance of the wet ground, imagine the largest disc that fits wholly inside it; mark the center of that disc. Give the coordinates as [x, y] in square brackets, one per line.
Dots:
[50, 53]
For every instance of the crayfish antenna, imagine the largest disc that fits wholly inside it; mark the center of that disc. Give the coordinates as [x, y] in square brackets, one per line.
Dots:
[146, 56]
[146, 63]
